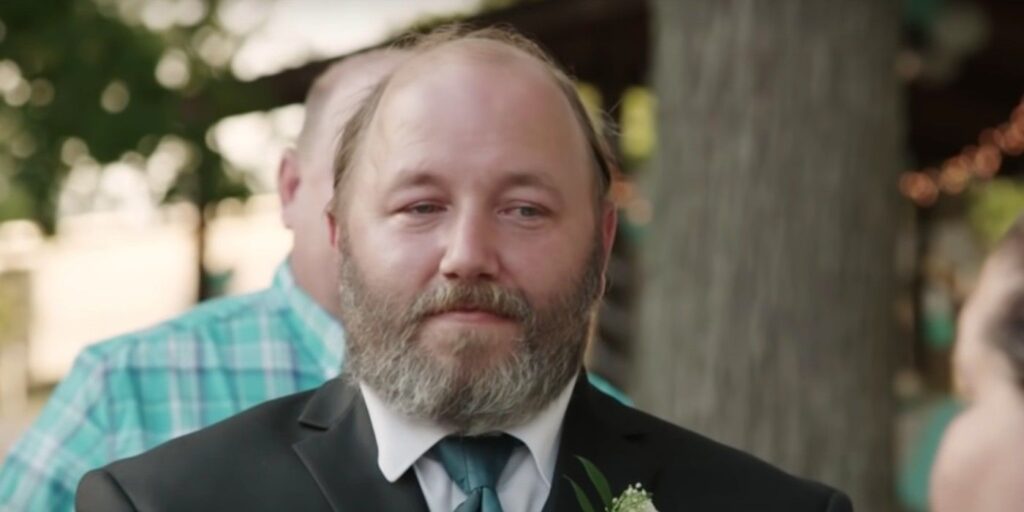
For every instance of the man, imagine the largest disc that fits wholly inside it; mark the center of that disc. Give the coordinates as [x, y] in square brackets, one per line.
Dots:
[473, 229]
[131, 393]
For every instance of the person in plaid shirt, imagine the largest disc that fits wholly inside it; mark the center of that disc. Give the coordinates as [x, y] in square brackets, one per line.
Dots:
[133, 392]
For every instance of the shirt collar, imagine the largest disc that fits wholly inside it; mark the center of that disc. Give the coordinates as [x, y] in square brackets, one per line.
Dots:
[319, 332]
[542, 434]
[401, 440]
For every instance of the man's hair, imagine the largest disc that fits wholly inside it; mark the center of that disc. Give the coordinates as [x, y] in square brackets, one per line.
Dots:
[355, 129]
[1006, 327]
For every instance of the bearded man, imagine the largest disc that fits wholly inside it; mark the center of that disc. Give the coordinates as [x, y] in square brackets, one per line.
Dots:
[473, 226]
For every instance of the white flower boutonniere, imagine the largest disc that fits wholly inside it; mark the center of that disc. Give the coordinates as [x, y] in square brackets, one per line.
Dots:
[633, 499]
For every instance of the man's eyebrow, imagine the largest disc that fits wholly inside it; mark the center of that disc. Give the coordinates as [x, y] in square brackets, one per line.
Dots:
[415, 177]
[528, 179]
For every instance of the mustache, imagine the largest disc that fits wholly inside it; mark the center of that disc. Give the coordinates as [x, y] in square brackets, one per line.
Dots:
[486, 297]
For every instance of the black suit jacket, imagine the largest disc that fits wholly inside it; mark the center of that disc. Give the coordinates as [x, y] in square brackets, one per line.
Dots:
[315, 451]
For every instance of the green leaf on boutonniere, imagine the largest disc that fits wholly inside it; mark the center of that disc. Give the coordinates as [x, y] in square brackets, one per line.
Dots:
[581, 497]
[633, 499]
[600, 482]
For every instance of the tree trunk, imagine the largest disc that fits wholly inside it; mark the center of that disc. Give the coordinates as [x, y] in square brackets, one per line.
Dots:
[766, 318]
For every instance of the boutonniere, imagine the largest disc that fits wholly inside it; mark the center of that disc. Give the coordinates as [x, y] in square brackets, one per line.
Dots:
[633, 499]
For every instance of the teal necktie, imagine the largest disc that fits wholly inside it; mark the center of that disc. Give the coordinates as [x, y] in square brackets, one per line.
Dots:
[475, 464]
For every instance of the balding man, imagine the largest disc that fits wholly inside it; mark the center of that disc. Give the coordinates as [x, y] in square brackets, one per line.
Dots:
[133, 392]
[473, 226]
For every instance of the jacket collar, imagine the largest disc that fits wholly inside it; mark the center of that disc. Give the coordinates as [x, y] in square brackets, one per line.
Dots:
[341, 455]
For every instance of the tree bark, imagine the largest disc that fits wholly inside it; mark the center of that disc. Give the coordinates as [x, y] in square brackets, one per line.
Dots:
[766, 317]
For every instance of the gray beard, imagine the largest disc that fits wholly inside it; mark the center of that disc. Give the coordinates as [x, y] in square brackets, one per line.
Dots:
[385, 353]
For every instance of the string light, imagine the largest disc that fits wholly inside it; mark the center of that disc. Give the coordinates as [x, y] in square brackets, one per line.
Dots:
[987, 161]
[954, 178]
[982, 162]
[920, 187]
[1013, 139]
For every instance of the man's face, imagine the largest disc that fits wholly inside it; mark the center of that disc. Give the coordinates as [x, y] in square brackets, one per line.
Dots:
[470, 241]
[978, 465]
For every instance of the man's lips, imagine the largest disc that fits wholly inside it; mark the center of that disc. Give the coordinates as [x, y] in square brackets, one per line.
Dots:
[470, 316]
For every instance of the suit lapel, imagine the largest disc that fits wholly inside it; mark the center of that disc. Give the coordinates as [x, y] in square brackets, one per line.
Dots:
[341, 455]
[591, 430]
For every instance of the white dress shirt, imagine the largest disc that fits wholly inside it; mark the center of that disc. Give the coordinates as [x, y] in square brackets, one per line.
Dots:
[525, 482]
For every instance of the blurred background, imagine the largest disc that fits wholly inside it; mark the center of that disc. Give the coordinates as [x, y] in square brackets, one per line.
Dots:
[826, 179]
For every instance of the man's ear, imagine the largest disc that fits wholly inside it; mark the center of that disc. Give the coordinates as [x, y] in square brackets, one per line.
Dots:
[332, 226]
[289, 178]
[609, 225]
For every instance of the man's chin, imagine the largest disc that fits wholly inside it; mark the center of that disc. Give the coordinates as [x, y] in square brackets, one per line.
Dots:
[453, 340]
[471, 355]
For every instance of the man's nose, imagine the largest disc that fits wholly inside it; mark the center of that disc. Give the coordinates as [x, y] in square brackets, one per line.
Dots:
[470, 253]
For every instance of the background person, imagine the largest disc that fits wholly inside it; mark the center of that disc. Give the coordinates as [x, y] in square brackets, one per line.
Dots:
[133, 392]
[978, 467]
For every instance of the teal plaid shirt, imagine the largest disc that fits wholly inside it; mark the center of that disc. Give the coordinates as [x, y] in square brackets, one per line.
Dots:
[131, 393]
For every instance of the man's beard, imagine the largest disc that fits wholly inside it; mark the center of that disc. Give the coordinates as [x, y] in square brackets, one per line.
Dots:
[385, 350]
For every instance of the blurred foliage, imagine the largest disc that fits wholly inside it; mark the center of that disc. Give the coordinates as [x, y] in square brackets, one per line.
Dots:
[80, 85]
[994, 206]
[590, 95]
[637, 124]
[918, 15]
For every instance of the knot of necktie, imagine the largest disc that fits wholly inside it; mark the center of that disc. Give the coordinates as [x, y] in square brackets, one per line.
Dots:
[475, 464]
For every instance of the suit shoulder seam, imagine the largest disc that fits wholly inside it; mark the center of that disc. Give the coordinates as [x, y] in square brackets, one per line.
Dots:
[120, 488]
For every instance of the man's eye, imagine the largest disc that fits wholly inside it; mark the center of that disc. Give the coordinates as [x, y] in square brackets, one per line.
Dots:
[423, 209]
[528, 212]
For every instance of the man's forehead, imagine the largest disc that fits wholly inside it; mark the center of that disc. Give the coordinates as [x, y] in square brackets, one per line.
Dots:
[486, 102]
[473, 58]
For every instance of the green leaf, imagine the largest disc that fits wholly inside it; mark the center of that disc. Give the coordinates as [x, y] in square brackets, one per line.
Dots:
[599, 481]
[581, 497]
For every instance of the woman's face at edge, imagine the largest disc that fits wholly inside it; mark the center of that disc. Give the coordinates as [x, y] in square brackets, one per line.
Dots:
[978, 466]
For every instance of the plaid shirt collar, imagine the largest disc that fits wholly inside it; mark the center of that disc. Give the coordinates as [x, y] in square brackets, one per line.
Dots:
[320, 334]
